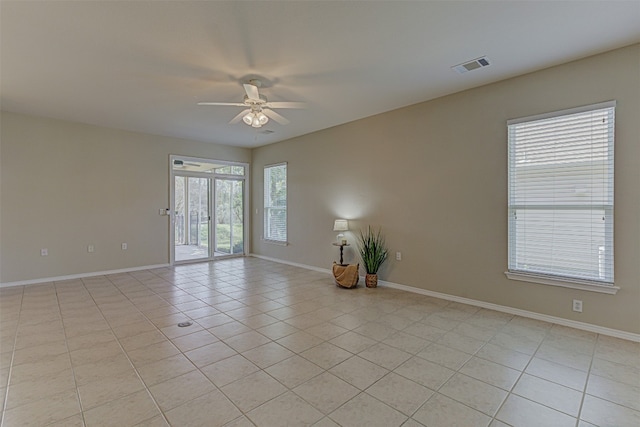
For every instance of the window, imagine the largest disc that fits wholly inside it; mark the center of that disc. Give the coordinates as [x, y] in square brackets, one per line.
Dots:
[275, 203]
[561, 197]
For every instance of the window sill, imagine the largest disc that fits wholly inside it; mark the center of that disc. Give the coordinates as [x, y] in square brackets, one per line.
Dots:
[276, 242]
[583, 285]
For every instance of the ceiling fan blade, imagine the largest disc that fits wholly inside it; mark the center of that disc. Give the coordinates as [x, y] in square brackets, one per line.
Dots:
[275, 116]
[286, 105]
[239, 117]
[226, 104]
[252, 91]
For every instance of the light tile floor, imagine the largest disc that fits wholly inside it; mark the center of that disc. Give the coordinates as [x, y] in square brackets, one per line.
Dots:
[274, 345]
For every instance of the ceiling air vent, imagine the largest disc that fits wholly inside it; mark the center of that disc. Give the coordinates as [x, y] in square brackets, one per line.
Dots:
[266, 131]
[472, 65]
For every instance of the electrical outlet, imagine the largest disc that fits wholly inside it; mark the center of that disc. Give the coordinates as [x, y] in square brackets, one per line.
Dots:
[577, 305]
[44, 252]
[125, 246]
[90, 248]
[398, 256]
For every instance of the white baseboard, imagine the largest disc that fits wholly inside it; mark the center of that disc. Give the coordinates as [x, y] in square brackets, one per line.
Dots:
[502, 308]
[80, 276]
[294, 264]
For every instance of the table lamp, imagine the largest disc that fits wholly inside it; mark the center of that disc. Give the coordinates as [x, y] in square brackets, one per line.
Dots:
[341, 225]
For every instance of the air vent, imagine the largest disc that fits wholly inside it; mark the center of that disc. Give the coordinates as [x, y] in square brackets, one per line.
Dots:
[266, 131]
[472, 65]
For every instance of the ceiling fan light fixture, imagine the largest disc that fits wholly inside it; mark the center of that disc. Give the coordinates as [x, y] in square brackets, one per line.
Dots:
[248, 119]
[255, 119]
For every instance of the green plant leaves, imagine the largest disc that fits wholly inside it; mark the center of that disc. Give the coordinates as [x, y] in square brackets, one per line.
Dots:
[372, 248]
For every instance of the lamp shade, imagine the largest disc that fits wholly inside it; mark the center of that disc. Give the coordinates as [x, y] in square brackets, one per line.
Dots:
[340, 225]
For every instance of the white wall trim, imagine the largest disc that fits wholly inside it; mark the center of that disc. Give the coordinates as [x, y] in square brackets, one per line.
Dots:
[504, 309]
[583, 285]
[294, 264]
[81, 275]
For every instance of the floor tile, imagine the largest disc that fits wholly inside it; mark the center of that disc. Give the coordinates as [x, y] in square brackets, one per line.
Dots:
[550, 394]
[460, 342]
[564, 356]
[165, 369]
[441, 411]
[176, 391]
[299, 341]
[406, 342]
[246, 341]
[109, 388]
[326, 392]
[38, 353]
[423, 372]
[504, 356]
[615, 371]
[491, 373]
[557, 373]
[618, 350]
[209, 354]
[388, 354]
[604, 413]
[400, 393]
[293, 371]
[35, 370]
[285, 410]
[229, 370]
[268, 354]
[613, 391]
[326, 355]
[519, 411]
[212, 410]
[352, 342]
[102, 369]
[425, 331]
[445, 356]
[359, 372]
[366, 411]
[51, 409]
[277, 330]
[253, 390]
[473, 393]
[30, 391]
[195, 340]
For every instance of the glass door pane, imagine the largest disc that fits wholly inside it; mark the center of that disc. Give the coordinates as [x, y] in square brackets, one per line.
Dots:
[192, 218]
[229, 208]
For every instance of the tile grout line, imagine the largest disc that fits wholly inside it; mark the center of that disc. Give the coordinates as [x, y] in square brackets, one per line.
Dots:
[13, 353]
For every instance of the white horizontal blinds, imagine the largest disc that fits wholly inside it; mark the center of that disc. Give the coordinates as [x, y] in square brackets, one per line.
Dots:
[275, 202]
[561, 194]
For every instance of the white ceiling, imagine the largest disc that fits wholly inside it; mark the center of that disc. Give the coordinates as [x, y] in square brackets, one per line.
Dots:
[143, 65]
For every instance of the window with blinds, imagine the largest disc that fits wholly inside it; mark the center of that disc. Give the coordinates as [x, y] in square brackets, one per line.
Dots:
[561, 195]
[275, 203]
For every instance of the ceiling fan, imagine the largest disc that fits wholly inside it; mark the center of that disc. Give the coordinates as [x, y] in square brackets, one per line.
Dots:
[259, 110]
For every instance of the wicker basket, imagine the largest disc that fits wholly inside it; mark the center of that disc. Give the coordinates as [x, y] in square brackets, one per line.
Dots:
[371, 280]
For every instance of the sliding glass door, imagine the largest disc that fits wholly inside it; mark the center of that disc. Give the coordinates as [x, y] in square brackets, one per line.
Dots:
[208, 200]
[192, 218]
[229, 215]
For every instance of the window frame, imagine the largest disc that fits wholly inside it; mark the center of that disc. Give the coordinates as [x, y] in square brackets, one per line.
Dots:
[267, 209]
[558, 279]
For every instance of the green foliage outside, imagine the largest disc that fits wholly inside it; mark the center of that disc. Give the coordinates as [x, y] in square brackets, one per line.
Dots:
[223, 237]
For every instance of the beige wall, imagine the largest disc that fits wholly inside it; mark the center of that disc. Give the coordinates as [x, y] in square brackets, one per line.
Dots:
[434, 175]
[64, 186]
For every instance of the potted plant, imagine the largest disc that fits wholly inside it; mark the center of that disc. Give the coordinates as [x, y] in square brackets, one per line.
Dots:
[373, 252]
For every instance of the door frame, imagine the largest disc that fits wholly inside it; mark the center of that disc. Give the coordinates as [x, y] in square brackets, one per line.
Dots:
[212, 176]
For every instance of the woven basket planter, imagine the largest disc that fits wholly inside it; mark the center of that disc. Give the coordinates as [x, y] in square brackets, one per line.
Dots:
[371, 280]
